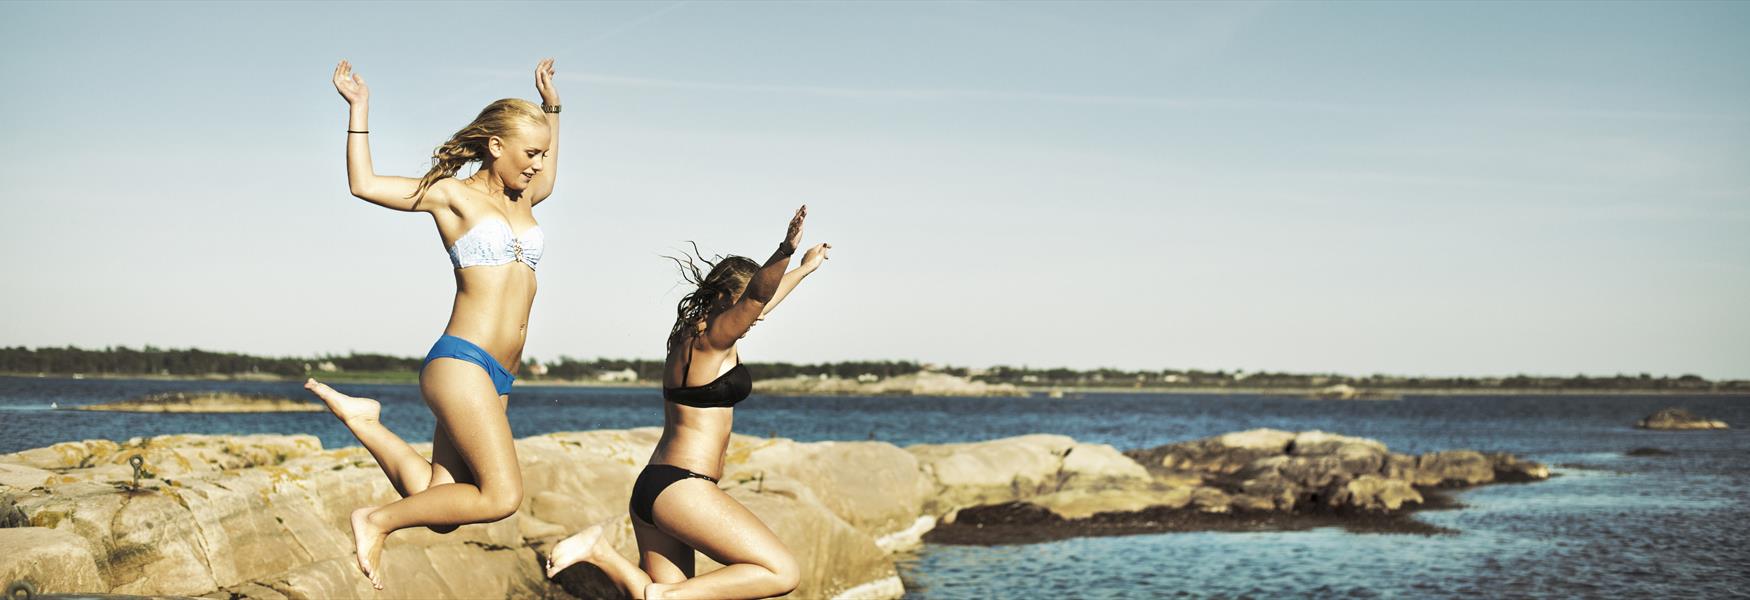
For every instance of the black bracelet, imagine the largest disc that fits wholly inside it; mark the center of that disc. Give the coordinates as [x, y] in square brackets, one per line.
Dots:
[786, 248]
[351, 131]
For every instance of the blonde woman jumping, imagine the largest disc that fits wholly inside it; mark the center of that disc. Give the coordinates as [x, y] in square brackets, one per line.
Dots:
[485, 221]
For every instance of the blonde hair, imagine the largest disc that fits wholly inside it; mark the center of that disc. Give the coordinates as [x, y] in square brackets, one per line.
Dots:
[500, 118]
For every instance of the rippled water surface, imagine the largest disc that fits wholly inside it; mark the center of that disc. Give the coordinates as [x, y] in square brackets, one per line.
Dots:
[1608, 525]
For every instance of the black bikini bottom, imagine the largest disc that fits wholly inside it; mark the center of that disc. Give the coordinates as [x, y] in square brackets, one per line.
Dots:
[651, 482]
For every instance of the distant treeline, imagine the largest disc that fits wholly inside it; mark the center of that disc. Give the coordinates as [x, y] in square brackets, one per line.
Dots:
[1261, 380]
[122, 361]
[150, 360]
[573, 369]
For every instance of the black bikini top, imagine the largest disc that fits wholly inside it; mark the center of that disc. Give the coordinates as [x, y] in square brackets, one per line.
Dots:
[723, 392]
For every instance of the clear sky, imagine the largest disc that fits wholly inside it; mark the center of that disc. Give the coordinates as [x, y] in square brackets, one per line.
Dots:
[1410, 188]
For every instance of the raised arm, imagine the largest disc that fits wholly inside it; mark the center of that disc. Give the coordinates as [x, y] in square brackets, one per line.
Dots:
[731, 324]
[811, 260]
[542, 186]
[386, 191]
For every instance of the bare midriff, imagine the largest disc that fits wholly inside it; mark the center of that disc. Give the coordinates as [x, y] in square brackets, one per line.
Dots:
[492, 309]
[694, 438]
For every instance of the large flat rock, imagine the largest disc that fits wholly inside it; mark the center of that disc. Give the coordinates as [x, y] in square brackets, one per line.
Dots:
[266, 516]
[52, 560]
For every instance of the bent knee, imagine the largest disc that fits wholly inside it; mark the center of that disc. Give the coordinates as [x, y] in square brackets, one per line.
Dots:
[785, 574]
[501, 504]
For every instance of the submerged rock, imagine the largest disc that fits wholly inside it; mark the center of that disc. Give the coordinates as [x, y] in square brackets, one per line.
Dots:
[1650, 452]
[1677, 418]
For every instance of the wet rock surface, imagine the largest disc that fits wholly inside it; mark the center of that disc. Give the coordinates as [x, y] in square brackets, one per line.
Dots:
[1025, 523]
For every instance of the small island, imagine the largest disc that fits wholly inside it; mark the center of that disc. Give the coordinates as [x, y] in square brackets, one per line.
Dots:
[1343, 391]
[1678, 419]
[922, 383]
[206, 402]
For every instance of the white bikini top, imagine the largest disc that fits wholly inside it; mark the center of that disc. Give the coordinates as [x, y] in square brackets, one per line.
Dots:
[492, 242]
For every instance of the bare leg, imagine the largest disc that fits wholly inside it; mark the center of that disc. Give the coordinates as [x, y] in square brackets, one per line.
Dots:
[588, 546]
[368, 544]
[409, 472]
[468, 408]
[447, 466]
[699, 515]
[666, 559]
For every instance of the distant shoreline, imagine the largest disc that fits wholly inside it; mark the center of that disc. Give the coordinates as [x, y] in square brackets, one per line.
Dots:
[206, 402]
[1068, 393]
[1301, 392]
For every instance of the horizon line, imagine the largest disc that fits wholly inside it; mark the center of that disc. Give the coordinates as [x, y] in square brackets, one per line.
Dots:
[927, 363]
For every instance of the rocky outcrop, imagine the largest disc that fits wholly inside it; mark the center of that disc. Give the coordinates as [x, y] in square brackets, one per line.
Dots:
[872, 486]
[1019, 468]
[916, 384]
[264, 513]
[265, 516]
[1251, 480]
[1677, 418]
[1266, 469]
[51, 559]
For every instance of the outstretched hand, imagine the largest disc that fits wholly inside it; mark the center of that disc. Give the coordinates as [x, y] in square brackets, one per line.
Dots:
[794, 235]
[814, 256]
[544, 83]
[349, 84]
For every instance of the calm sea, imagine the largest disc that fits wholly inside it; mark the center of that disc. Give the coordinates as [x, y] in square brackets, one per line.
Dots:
[1607, 525]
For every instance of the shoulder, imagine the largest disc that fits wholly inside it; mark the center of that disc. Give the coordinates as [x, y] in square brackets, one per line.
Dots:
[444, 193]
[450, 188]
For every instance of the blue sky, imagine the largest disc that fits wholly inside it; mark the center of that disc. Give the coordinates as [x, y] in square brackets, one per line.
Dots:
[1412, 188]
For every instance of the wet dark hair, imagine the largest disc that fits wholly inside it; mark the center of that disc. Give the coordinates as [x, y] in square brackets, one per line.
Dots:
[719, 283]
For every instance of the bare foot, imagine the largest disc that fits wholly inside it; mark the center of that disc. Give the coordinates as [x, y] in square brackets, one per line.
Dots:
[346, 407]
[584, 546]
[369, 540]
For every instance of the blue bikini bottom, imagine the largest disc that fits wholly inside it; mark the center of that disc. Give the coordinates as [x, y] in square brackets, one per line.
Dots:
[450, 346]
